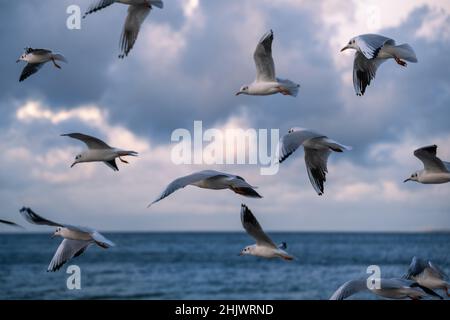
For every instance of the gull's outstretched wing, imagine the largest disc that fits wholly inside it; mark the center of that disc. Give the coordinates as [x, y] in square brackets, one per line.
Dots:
[370, 44]
[135, 18]
[34, 218]
[349, 288]
[187, 180]
[265, 67]
[91, 142]
[253, 228]
[291, 141]
[430, 161]
[30, 68]
[364, 71]
[112, 164]
[316, 165]
[98, 6]
[67, 250]
[9, 223]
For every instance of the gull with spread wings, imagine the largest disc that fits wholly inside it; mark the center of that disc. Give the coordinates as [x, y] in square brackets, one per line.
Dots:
[138, 10]
[318, 148]
[211, 179]
[36, 58]
[371, 51]
[76, 239]
[266, 82]
[435, 170]
[99, 151]
[428, 274]
[264, 246]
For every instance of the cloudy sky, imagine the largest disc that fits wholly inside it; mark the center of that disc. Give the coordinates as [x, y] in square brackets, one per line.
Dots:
[189, 60]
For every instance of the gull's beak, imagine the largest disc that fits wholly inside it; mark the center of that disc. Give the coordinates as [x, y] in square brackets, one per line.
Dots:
[73, 164]
[409, 179]
[240, 254]
[53, 235]
[18, 60]
[345, 48]
[238, 93]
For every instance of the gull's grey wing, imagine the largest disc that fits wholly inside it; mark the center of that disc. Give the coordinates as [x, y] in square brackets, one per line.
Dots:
[112, 164]
[291, 141]
[34, 218]
[416, 267]
[253, 228]
[430, 161]
[9, 223]
[38, 51]
[135, 18]
[316, 165]
[364, 71]
[101, 240]
[30, 68]
[349, 288]
[67, 250]
[265, 67]
[98, 6]
[187, 180]
[91, 142]
[370, 44]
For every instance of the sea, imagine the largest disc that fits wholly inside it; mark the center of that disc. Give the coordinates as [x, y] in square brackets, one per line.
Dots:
[207, 265]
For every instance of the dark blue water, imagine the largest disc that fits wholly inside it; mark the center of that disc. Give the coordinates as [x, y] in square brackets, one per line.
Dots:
[206, 265]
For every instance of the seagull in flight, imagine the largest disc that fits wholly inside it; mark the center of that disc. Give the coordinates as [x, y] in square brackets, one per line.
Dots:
[435, 170]
[427, 274]
[394, 288]
[99, 151]
[266, 82]
[264, 246]
[138, 10]
[76, 239]
[36, 58]
[371, 51]
[211, 179]
[318, 148]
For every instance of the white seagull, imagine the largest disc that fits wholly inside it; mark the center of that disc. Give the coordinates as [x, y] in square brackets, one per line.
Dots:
[138, 10]
[394, 288]
[99, 151]
[371, 51]
[266, 82]
[317, 150]
[435, 170]
[76, 239]
[211, 179]
[264, 246]
[427, 274]
[36, 58]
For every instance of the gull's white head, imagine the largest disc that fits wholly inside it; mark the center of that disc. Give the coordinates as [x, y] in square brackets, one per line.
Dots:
[414, 177]
[23, 57]
[58, 232]
[248, 250]
[243, 90]
[295, 129]
[78, 159]
[351, 45]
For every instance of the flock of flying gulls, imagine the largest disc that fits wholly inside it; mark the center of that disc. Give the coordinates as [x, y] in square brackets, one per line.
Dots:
[371, 51]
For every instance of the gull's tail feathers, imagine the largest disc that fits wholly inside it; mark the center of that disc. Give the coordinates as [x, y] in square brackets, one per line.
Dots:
[336, 146]
[405, 52]
[157, 3]
[290, 85]
[59, 57]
